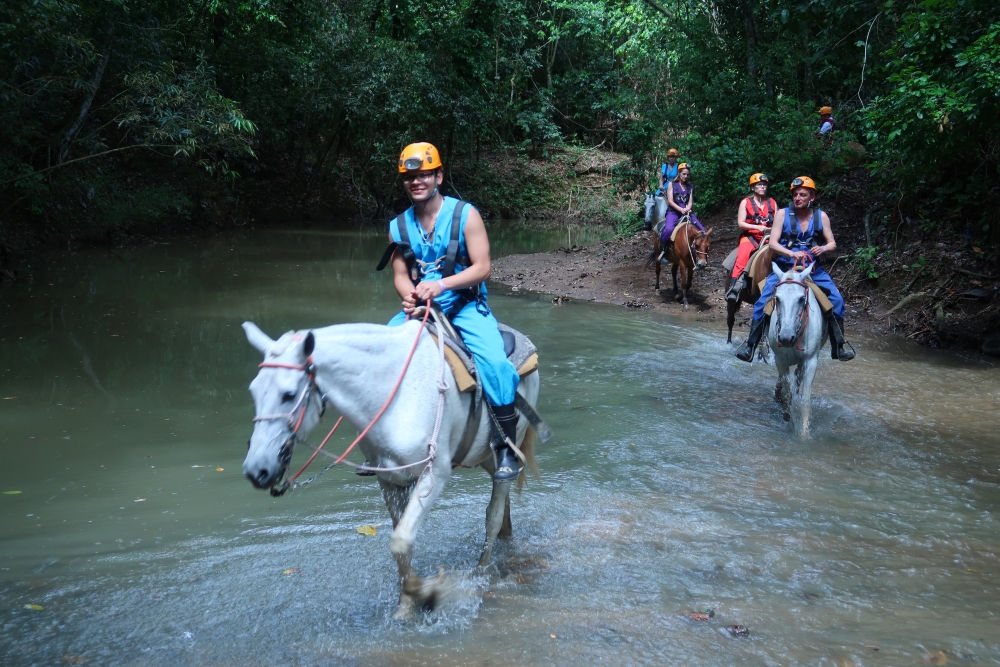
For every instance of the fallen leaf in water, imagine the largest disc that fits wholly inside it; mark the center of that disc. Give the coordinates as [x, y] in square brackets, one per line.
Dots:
[698, 616]
[140, 500]
[34, 607]
[976, 249]
[367, 530]
[936, 658]
[552, 636]
[219, 469]
[292, 570]
[11, 493]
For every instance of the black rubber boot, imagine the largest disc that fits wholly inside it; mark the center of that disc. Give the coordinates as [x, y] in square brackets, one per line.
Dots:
[757, 327]
[835, 327]
[508, 465]
[736, 286]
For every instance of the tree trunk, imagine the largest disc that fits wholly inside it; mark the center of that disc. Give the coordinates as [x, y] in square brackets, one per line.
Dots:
[95, 83]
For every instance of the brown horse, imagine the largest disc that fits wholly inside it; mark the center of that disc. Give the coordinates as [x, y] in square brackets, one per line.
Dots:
[749, 294]
[688, 252]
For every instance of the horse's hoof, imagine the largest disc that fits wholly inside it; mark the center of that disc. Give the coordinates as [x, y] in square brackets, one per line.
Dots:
[787, 417]
[404, 613]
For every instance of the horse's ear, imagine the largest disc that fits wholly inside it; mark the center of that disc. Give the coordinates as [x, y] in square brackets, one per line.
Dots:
[308, 345]
[777, 270]
[257, 338]
[710, 230]
[805, 274]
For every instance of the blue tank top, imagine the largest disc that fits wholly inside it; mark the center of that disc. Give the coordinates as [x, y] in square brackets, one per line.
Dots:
[669, 171]
[793, 238]
[430, 250]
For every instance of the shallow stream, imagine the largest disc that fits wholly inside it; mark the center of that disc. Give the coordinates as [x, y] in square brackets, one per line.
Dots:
[672, 485]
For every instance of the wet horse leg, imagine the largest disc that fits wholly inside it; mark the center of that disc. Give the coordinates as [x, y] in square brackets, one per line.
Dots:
[495, 514]
[396, 499]
[785, 379]
[413, 591]
[656, 259]
[731, 309]
[808, 372]
[690, 279]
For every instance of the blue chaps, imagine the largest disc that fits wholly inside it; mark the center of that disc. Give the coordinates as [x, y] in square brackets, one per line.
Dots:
[480, 334]
[819, 276]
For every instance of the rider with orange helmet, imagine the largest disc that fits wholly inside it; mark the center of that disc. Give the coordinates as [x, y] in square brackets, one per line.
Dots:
[680, 202]
[754, 218]
[668, 170]
[440, 252]
[801, 235]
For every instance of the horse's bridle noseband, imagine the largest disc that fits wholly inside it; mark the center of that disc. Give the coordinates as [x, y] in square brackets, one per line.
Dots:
[800, 327]
[307, 391]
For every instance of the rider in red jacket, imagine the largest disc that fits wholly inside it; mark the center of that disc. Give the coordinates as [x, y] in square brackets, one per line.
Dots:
[754, 219]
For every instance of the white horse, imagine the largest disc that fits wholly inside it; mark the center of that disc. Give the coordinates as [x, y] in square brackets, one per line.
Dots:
[796, 335]
[356, 366]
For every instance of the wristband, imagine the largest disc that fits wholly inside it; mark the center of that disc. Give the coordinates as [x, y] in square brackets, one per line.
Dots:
[443, 287]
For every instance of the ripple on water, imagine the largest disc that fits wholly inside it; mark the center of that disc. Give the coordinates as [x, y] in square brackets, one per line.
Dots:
[672, 485]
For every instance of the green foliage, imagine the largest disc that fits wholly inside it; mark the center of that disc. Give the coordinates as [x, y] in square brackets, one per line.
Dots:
[315, 98]
[864, 258]
[936, 126]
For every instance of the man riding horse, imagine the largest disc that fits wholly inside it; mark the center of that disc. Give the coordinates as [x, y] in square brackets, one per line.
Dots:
[801, 235]
[441, 253]
[755, 216]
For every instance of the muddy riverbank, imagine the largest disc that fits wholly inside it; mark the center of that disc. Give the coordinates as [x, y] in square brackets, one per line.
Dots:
[945, 305]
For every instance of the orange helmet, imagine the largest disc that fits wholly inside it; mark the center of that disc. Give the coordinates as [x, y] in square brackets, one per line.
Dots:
[673, 152]
[803, 182]
[825, 111]
[758, 178]
[418, 157]
[683, 165]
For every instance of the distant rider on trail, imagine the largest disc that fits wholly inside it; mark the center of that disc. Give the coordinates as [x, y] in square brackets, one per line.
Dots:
[680, 202]
[668, 170]
[427, 265]
[755, 216]
[801, 235]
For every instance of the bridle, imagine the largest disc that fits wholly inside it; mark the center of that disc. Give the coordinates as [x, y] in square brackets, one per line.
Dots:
[307, 391]
[803, 321]
[691, 242]
[309, 368]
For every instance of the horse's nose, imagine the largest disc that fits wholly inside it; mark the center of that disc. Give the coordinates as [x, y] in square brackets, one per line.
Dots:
[260, 478]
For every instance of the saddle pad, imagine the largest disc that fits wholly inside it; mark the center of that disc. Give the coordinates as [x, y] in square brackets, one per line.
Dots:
[522, 354]
[824, 301]
[755, 258]
[673, 234]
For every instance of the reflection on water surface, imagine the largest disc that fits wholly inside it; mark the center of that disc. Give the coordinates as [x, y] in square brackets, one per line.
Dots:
[671, 486]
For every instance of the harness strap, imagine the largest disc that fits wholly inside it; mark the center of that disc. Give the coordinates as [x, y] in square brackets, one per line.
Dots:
[404, 248]
[451, 256]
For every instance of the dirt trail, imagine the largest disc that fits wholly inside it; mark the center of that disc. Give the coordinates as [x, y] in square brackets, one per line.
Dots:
[942, 312]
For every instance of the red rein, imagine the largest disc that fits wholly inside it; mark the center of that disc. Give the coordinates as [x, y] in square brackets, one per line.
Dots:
[312, 379]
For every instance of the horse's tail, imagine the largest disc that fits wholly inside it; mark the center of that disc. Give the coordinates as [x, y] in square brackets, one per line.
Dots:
[528, 448]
